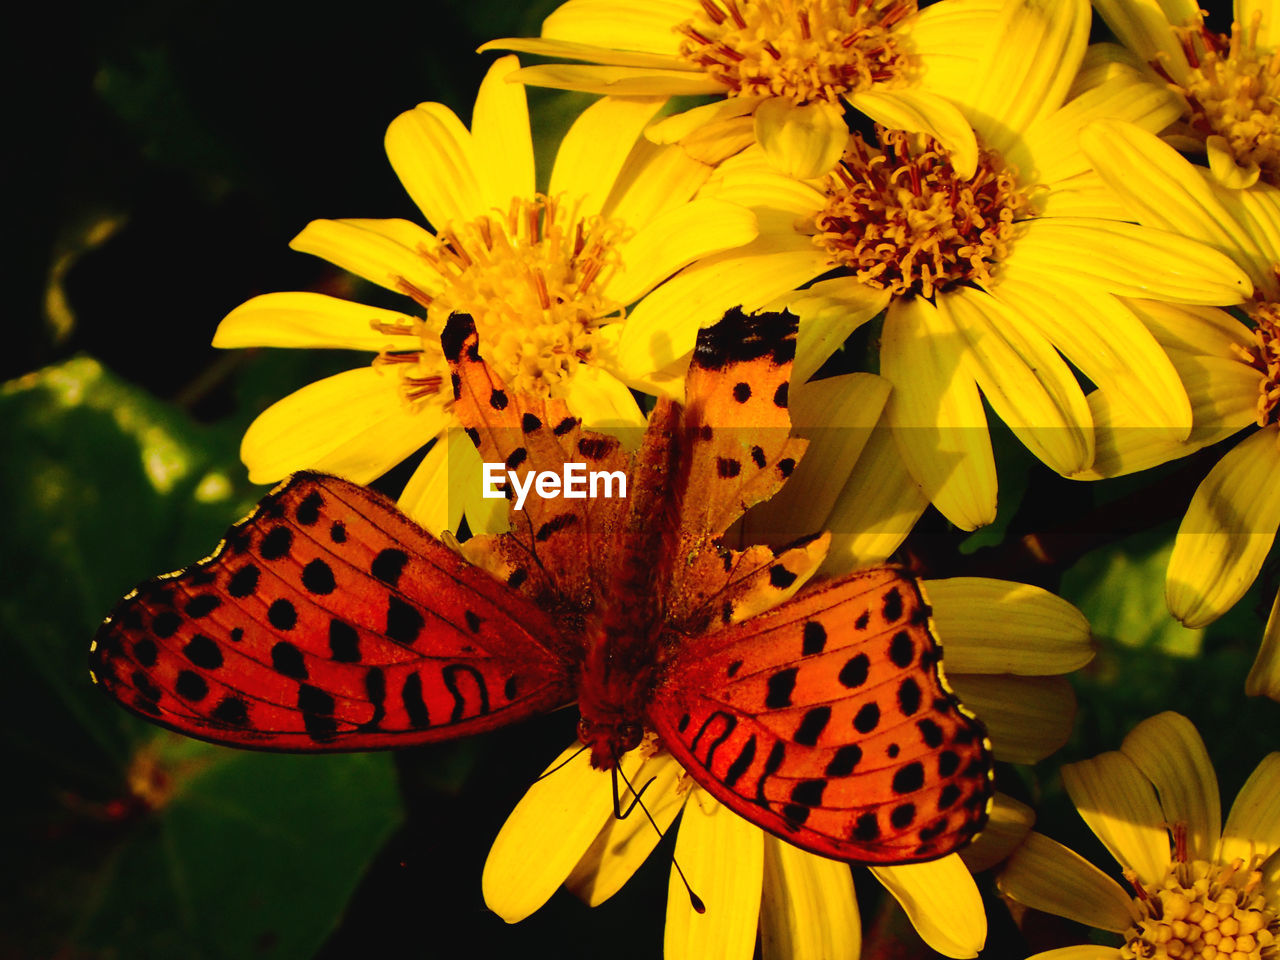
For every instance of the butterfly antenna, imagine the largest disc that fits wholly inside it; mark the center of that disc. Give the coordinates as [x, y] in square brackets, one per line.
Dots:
[694, 900]
[562, 763]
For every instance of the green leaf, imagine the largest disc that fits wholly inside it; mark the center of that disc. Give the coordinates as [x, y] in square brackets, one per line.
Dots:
[133, 841]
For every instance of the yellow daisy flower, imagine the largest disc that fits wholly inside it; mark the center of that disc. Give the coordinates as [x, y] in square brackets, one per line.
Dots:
[1006, 648]
[1229, 83]
[1197, 890]
[545, 275]
[1232, 373]
[987, 278]
[784, 67]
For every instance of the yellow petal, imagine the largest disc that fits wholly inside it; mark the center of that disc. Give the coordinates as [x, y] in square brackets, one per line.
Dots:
[1161, 189]
[1226, 170]
[675, 239]
[1128, 260]
[836, 416]
[379, 254]
[447, 484]
[1083, 951]
[723, 858]
[645, 25]
[1045, 875]
[995, 626]
[875, 510]
[1084, 195]
[1027, 718]
[1110, 345]
[352, 424]
[941, 901]
[801, 141]
[1264, 13]
[503, 144]
[808, 910]
[432, 154]
[1144, 28]
[547, 833]
[829, 311]
[1053, 149]
[1223, 396]
[623, 845]
[595, 148]
[654, 180]
[1253, 825]
[1208, 331]
[1007, 826]
[1169, 752]
[1027, 67]
[936, 413]
[312, 320]
[426, 497]
[1264, 675]
[1227, 531]
[663, 327]
[920, 111]
[1024, 379]
[949, 39]
[619, 81]
[589, 52]
[1119, 805]
[678, 126]
[749, 179]
[602, 402]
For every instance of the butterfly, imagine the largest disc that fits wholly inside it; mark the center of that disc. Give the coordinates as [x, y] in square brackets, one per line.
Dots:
[327, 620]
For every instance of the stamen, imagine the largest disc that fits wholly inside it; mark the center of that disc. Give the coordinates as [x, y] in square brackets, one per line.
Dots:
[902, 219]
[804, 50]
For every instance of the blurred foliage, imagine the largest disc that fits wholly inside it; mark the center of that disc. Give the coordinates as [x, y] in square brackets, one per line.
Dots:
[169, 152]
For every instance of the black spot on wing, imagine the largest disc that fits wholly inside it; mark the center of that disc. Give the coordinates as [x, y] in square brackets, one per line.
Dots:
[781, 685]
[344, 642]
[202, 606]
[815, 638]
[811, 726]
[893, 605]
[287, 660]
[388, 565]
[308, 511]
[456, 330]
[404, 622]
[554, 525]
[530, 423]
[738, 338]
[282, 614]
[244, 581]
[203, 652]
[317, 577]
[276, 543]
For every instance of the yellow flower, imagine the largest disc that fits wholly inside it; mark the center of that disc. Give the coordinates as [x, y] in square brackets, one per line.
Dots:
[1229, 83]
[546, 276]
[1198, 891]
[1232, 373]
[1005, 644]
[784, 67]
[986, 278]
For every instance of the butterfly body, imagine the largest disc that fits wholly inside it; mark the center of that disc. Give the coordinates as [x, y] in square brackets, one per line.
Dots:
[328, 621]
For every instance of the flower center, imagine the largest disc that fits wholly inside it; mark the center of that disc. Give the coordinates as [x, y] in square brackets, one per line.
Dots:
[1264, 356]
[1203, 911]
[531, 281]
[902, 219]
[806, 50]
[1233, 92]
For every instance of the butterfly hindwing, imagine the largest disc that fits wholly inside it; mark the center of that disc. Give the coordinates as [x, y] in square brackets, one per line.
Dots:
[328, 621]
[825, 721]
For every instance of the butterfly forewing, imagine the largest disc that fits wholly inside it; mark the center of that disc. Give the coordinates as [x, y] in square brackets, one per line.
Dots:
[826, 722]
[558, 544]
[329, 621]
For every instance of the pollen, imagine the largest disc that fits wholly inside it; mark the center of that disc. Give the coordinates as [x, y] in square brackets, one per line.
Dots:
[531, 280]
[805, 50]
[1203, 911]
[1264, 356]
[1232, 92]
[901, 218]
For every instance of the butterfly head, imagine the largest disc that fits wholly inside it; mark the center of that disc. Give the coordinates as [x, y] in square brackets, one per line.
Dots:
[608, 740]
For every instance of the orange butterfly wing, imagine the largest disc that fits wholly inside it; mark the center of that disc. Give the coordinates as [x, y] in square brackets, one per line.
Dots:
[557, 547]
[826, 722]
[327, 620]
